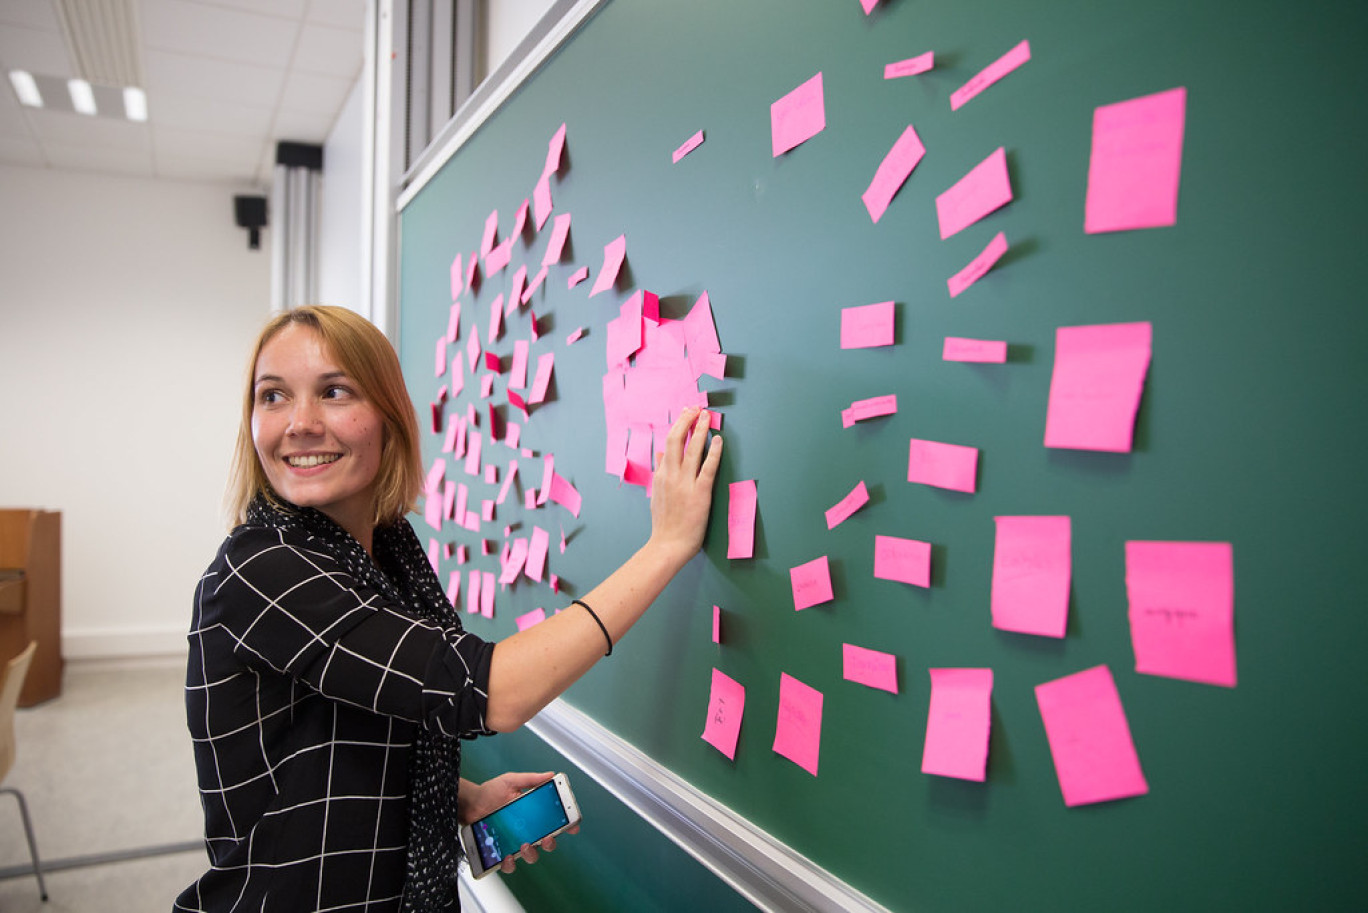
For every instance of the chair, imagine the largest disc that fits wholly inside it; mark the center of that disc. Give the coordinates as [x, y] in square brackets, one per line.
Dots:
[10, 685]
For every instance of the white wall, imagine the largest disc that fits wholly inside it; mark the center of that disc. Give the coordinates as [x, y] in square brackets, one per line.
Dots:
[340, 230]
[126, 310]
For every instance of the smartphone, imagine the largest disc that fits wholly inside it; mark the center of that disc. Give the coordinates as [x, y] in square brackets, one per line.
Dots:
[539, 813]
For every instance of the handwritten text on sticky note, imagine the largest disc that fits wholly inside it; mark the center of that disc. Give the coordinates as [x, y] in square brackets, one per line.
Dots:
[1182, 609]
[958, 724]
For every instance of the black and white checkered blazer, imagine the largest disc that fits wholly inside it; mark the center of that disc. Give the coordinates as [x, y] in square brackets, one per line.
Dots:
[304, 691]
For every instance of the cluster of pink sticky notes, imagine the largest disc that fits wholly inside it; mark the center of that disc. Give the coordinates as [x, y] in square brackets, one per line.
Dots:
[655, 365]
[990, 74]
[1095, 389]
[689, 145]
[867, 325]
[985, 351]
[951, 466]
[1182, 609]
[798, 116]
[843, 509]
[1090, 738]
[903, 560]
[985, 188]
[1136, 161]
[741, 506]
[907, 151]
[726, 706]
[1032, 571]
[798, 732]
[869, 667]
[811, 583]
[958, 724]
[979, 266]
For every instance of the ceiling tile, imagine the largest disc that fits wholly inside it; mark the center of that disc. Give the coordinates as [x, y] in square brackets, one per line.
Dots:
[209, 114]
[329, 51]
[286, 9]
[98, 158]
[36, 14]
[14, 151]
[319, 94]
[57, 128]
[185, 168]
[225, 80]
[172, 142]
[304, 126]
[216, 32]
[347, 14]
[39, 52]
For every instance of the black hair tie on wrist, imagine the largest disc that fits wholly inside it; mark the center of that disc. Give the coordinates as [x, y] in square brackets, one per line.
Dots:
[598, 621]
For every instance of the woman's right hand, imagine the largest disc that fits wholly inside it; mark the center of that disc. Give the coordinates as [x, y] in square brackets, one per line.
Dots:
[682, 486]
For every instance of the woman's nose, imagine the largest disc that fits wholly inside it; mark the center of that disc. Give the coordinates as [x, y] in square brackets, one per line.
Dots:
[304, 419]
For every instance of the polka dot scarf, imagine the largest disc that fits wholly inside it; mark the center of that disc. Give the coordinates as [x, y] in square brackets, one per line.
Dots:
[435, 762]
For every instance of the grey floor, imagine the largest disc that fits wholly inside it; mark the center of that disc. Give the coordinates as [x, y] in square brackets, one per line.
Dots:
[110, 781]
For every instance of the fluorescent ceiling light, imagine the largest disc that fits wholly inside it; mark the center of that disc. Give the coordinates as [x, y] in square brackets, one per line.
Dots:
[135, 103]
[82, 96]
[26, 88]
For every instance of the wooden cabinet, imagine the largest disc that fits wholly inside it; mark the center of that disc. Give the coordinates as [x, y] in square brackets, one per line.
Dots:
[31, 597]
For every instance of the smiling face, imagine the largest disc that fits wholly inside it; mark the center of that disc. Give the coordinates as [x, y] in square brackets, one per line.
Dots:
[317, 436]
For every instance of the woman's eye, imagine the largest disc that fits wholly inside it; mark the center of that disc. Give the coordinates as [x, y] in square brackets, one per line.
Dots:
[269, 397]
[336, 392]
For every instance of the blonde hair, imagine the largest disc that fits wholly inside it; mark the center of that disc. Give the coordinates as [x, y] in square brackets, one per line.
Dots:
[367, 357]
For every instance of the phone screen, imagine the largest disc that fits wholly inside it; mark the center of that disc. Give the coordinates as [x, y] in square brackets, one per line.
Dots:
[527, 819]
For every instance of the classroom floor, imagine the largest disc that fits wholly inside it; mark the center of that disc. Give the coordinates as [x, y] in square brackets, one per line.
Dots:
[110, 781]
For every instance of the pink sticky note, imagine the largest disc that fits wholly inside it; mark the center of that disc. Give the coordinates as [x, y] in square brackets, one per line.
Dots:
[537, 551]
[958, 723]
[560, 230]
[534, 617]
[987, 351]
[991, 74]
[811, 583]
[741, 503]
[542, 203]
[798, 116]
[491, 229]
[613, 253]
[1090, 740]
[453, 590]
[565, 494]
[1137, 157]
[904, 560]
[798, 732]
[717, 624]
[869, 5]
[577, 277]
[487, 595]
[842, 510]
[1182, 609]
[874, 407]
[1099, 375]
[546, 363]
[473, 591]
[985, 188]
[892, 172]
[979, 266]
[499, 257]
[454, 320]
[726, 705]
[517, 372]
[867, 325]
[911, 66]
[689, 145]
[457, 278]
[869, 667]
[1032, 569]
[944, 465]
[532, 287]
[440, 362]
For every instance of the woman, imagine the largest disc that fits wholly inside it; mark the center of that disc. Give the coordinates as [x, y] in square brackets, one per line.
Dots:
[329, 680]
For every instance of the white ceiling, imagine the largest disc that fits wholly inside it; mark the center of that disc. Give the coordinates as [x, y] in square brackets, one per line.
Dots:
[225, 81]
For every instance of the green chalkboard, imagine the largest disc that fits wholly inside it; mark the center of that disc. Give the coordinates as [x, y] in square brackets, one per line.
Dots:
[1251, 428]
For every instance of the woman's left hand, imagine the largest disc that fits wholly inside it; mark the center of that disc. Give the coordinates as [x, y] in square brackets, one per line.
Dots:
[478, 800]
